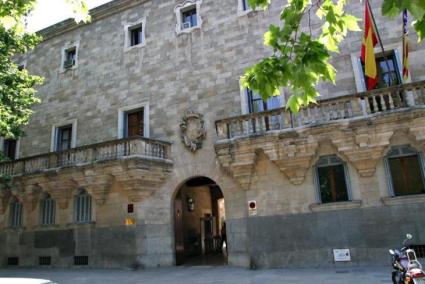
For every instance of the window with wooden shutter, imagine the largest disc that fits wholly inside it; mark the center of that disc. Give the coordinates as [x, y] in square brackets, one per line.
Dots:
[134, 123]
[404, 166]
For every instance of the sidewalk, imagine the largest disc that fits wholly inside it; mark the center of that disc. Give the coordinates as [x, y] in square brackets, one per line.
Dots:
[206, 275]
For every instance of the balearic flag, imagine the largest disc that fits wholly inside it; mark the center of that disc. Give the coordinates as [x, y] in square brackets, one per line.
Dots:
[368, 55]
[405, 46]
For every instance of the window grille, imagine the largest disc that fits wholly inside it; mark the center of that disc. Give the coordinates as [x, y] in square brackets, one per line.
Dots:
[81, 260]
[44, 260]
[16, 214]
[82, 207]
[47, 213]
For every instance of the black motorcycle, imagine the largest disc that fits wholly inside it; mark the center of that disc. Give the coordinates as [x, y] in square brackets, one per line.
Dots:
[407, 269]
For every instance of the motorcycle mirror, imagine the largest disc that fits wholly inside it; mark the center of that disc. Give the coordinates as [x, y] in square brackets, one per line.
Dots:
[391, 252]
[409, 236]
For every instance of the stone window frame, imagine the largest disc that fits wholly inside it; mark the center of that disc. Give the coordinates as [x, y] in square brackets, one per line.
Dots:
[407, 148]
[17, 150]
[178, 10]
[358, 70]
[83, 199]
[127, 35]
[54, 134]
[121, 119]
[16, 219]
[65, 48]
[47, 210]
[317, 182]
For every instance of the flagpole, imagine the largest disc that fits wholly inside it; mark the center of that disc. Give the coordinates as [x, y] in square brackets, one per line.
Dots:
[380, 41]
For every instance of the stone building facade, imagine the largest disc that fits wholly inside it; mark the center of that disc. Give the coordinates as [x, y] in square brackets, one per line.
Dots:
[85, 190]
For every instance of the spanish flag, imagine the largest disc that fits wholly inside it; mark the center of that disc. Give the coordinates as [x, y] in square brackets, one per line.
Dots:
[368, 55]
[405, 46]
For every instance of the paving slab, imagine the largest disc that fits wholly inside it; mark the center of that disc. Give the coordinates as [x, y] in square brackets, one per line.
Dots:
[204, 275]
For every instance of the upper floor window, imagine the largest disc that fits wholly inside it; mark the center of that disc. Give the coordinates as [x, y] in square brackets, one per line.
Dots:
[188, 16]
[64, 135]
[388, 73]
[64, 138]
[82, 207]
[133, 121]
[332, 180]
[256, 104]
[15, 213]
[9, 149]
[388, 68]
[135, 34]
[405, 170]
[70, 57]
[47, 210]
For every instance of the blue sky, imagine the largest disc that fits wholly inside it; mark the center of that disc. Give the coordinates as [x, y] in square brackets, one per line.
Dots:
[49, 12]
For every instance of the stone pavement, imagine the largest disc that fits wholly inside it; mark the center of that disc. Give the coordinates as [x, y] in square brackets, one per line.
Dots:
[207, 275]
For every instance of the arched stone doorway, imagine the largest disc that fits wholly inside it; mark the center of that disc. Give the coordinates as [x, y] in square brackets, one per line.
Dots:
[199, 223]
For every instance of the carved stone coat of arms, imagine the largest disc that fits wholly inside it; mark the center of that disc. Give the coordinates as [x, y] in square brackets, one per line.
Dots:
[193, 130]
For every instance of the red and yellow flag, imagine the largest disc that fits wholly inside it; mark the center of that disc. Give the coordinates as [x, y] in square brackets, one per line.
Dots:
[405, 46]
[368, 54]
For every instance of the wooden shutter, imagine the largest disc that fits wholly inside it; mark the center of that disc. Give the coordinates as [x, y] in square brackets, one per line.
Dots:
[135, 123]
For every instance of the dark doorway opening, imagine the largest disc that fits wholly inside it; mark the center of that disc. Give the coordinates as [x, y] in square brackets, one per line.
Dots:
[199, 223]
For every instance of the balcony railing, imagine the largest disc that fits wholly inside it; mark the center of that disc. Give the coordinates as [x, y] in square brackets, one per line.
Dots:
[340, 108]
[110, 150]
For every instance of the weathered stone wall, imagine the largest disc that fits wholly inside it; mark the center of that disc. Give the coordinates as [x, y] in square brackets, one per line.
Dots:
[172, 72]
[200, 70]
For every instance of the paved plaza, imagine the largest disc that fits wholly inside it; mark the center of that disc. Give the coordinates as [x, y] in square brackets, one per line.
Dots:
[204, 275]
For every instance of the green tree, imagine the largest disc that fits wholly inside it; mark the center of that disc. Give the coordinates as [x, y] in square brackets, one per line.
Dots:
[300, 60]
[17, 93]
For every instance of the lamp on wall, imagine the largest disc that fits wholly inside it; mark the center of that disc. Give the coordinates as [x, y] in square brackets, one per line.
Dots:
[190, 203]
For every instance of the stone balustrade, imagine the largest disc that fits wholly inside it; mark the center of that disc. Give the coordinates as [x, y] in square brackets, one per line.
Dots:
[340, 108]
[110, 150]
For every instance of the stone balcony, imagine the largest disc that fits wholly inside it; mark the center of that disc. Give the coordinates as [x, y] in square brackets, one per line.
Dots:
[360, 127]
[138, 165]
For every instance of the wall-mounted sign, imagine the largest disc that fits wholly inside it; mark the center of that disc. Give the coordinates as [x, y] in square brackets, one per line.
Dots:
[252, 208]
[342, 255]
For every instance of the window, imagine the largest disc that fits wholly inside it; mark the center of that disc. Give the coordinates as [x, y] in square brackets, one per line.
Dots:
[70, 57]
[405, 170]
[331, 177]
[47, 210]
[134, 123]
[9, 149]
[15, 213]
[257, 104]
[388, 73]
[82, 207]
[64, 138]
[188, 16]
[136, 35]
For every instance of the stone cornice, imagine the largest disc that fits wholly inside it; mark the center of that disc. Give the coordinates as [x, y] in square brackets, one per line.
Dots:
[96, 13]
